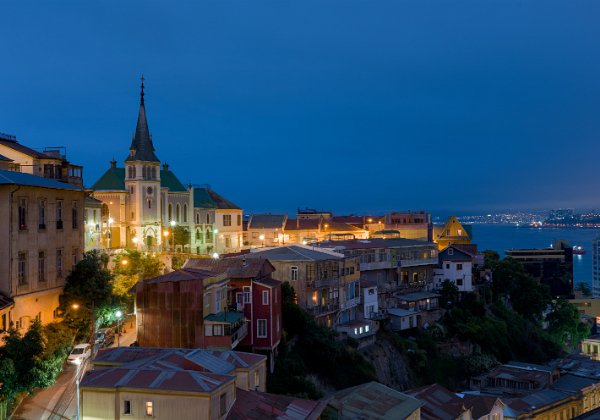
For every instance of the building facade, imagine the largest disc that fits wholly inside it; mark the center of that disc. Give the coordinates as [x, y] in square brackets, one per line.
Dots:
[42, 238]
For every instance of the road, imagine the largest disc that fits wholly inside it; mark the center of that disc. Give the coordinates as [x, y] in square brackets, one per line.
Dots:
[58, 401]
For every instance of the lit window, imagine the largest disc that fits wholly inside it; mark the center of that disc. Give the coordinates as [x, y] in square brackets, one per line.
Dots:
[150, 408]
[356, 331]
[366, 328]
[360, 330]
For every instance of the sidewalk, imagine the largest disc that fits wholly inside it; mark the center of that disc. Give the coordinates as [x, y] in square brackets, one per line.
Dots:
[128, 333]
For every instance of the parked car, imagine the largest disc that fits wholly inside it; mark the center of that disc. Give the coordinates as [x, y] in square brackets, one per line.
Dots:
[79, 354]
[105, 337]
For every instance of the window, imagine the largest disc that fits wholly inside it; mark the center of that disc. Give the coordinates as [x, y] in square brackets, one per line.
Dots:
[256, 379]
[197, 235]
[277, 324]
[261, 326]
[227, 242]
[126, 407]
[459, 231]
[254, 235]
[22, 268]
[170, 212]
[42, 214]
[294, 273]
[459, 266]
[41, 266]
[207, 218]
[459, 282]
[22, 214]
[59, 214]
[75, 215]
[265, 297]
[450, 251]
[150, 408]
[197, 218]
[59, 263]
[447, 266]
[239, 219]
[223, 404]
[75, 256]
[227, 220]
[178, 213]
[149, 203]
[247, 294]
[185, 213]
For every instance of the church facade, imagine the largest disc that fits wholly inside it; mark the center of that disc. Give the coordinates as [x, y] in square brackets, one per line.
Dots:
[146, 207]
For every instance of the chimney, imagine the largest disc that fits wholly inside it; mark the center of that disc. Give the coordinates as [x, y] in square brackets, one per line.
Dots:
[113, 164]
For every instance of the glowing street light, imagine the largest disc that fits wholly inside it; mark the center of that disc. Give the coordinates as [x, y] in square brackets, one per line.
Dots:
[215, 255]
[172, 223]
[262, 238]
[124, 262]
[118, 314]
[75, 306]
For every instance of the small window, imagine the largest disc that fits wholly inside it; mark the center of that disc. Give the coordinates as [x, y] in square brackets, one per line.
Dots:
[239, 219]
[126, 407]
[59, 263]
[22, 214]
[459, 282]
[41, 266]
[227, 220]
[293, 273]
[75, 215]
[447, 266]
[150, 408]
[223, 404]
[22, 270]
[261, 326]
[247, 294]
[42, 214]
[450, 251]
[265, 297]
[185, 211]
[459, 266]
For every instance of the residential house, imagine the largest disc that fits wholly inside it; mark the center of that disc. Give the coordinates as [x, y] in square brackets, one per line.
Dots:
[253, 405]
[452, 233]
[515, 378]
[50, 163]
[484, 407]
[396, 265]
[42, 239]
[402, 319]
[187, 308]
[373, 401]
[591, 347]
[441, 404]
[456, 266]
[425, 304]
[168, 383]
[326, 283]
[253, 291]
[266, 230]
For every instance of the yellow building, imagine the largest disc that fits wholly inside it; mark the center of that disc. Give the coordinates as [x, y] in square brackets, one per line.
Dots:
[41, 239]
[453, 233]
[138, 382]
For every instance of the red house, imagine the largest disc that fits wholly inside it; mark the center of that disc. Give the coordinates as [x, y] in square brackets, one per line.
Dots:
[254, 293]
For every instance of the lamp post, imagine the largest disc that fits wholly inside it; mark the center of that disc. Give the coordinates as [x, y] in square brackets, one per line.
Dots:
[262, 238]
[78, 364]
[118, 314]
[135, 241]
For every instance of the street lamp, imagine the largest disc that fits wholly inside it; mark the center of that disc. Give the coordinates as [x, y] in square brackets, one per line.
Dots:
[215, 255]
[166, 235]
[262, 238]
[118, 314]
[78, 363]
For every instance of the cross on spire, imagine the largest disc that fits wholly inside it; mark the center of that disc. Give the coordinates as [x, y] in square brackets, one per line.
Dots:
[142, 94]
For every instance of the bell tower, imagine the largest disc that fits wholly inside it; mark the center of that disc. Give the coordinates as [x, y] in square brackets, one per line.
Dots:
[142, 181]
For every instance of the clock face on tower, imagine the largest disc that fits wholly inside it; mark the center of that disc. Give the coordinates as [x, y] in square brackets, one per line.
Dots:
[149, 190]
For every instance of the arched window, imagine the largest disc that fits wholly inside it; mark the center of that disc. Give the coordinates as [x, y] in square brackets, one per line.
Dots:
[129, 172]
[170, 212]
[178, 213]
[207, 218]
[144, 171]
[197, 218]
[185, 213]
[197, 235]
[149, 203]
[133, 171]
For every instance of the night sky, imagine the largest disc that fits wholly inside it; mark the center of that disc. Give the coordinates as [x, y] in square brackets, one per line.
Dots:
[350, 106]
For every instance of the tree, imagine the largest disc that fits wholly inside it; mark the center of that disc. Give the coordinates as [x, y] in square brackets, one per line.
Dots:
[130, 267]
[565, 325]
[448, 294]
[181, 236]
[88, 283]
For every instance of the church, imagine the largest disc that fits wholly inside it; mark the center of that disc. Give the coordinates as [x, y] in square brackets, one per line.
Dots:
[144, 204]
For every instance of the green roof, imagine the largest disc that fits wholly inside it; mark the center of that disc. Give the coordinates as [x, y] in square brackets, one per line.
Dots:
[114, 180]
[170, 181]
[205, 198]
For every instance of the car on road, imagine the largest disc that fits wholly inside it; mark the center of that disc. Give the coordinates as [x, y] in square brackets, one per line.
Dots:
[105, 337]
[79, 354]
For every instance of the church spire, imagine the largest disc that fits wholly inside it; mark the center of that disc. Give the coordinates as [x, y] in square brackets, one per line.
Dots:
[141, 147]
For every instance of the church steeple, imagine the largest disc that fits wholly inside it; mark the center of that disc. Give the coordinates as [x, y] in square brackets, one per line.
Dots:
[142, 148]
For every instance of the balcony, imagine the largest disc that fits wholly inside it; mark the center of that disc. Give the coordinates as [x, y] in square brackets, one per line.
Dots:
[321, 310]
[224, 329]
[350, 303]
[330, 282]
[418, 262]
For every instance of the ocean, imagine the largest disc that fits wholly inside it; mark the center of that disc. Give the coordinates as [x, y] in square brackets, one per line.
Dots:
[502, 237]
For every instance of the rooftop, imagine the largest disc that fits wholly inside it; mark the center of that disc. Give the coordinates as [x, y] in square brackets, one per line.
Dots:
[259, 405]
[234, 267]
[294, 253]
[373, 243]
[205, 198]
[440, 403]
[114, 180]
[18, 178]
[373, 401]
[267, 221]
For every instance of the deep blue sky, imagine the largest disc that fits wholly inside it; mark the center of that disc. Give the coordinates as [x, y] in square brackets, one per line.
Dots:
[353, 106]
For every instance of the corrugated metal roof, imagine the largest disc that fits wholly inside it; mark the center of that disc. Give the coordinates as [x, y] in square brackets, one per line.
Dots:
[19, 178]
[252, 405]
[294, 253]
[267, 221]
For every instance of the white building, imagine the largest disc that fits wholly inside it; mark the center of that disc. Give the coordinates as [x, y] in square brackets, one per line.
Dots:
[596, 268]
[370, 302]
[455, 265]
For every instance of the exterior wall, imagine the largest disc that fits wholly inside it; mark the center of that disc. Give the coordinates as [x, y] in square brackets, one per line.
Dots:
[271, 312]
[458, 272]
[114, 222]
[254, 379]
[596, 268]
[401, 323]
[37, 294]
[93, 228]
[229, 238]
[203, 231]
[370, 302]
[103, 404]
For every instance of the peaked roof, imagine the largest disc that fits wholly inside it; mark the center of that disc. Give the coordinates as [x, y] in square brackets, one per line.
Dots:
[114, 180]
[251, 405]
[294, 253]
[267, 221]
[205, 198]
[142, 148]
